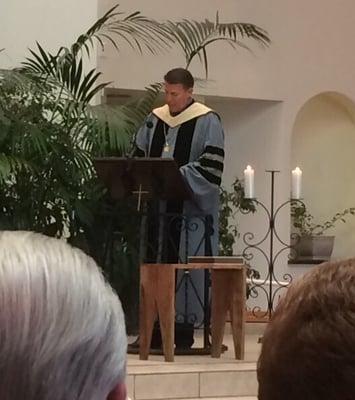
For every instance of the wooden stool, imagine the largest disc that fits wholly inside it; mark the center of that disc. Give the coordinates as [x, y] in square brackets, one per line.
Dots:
[157, 298]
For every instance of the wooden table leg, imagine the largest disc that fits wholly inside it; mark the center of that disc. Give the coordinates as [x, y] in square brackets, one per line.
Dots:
[219, 310]
[237, 312]
[147, 309]
[157, 298]
[228, 294]
[166, 308]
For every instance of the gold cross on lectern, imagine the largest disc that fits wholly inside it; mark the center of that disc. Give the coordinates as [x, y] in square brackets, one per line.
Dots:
[140, 192]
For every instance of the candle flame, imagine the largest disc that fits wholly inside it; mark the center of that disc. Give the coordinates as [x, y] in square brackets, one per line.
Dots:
[297, 170]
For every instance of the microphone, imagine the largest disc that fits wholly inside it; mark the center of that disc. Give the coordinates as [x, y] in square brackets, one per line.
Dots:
[149, 124]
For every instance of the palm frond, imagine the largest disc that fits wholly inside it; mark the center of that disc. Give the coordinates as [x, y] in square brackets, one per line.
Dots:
[141, 32]
[142, 106]
[76, 84]
[194, 36]
[13, 79]
[12, 164]
[41, 64]
[81, 163]
[110, 129]
[136, 30]
[34, 141]
[115, 126]
[84, 40]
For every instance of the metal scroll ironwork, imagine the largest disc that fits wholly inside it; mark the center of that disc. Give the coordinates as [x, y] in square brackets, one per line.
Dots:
[271, 285]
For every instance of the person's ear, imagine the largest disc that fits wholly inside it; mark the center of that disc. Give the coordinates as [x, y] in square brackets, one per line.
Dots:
[190, 91]
[119, 392]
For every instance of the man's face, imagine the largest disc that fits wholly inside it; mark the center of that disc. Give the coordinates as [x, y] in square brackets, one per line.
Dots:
[177, 97]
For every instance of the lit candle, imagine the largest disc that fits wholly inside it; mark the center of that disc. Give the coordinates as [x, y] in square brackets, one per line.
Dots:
[296, 183]
[249, 182]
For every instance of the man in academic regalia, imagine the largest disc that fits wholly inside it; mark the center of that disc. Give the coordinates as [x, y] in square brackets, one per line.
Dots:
[192, 134]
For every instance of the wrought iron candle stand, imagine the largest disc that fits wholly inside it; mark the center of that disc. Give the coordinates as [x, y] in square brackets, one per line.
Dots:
[271, 285]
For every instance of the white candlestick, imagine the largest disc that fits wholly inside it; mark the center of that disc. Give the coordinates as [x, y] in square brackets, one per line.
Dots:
[249, 183]
[296, 183]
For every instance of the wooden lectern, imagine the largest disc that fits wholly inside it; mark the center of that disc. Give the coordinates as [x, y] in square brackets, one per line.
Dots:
[158, 178]
[149, 179]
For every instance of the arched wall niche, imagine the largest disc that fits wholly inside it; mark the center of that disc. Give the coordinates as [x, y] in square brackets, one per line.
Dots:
[323, 145]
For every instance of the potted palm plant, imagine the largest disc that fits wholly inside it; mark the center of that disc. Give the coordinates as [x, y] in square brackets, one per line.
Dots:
[308, 240]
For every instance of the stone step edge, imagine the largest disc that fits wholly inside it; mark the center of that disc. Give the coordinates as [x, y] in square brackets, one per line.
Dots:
[219, 398]
[174, 368]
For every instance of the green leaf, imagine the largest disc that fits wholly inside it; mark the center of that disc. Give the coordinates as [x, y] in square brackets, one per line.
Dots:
[194, 37]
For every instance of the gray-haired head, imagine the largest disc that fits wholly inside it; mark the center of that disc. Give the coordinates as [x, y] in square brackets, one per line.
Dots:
[62, 332]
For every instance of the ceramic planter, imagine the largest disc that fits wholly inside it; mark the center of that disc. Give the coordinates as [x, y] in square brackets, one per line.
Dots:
[313, 248]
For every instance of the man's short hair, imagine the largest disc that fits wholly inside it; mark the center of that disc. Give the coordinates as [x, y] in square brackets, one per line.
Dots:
[180, 75]
[62, 333]
[308, 349]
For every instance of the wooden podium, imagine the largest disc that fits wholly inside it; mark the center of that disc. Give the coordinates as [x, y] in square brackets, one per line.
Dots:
[149, 177]
[157, 178]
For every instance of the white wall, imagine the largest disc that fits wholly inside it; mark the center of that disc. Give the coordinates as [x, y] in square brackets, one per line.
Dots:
[51, 23]
[231, 74]
[310, 51]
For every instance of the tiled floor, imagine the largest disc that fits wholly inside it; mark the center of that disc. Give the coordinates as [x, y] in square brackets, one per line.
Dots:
[192, 377]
